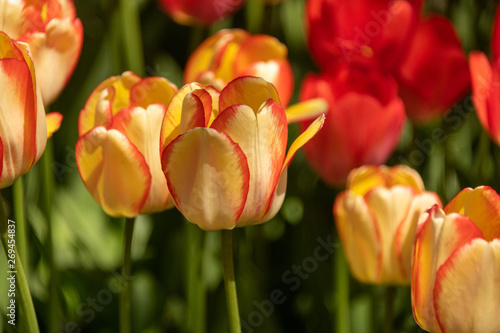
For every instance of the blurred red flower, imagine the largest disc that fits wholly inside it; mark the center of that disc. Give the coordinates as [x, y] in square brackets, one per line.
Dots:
[200, 13]
[362, 126]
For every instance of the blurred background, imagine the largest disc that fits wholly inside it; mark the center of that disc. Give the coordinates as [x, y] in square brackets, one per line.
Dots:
[170, 255]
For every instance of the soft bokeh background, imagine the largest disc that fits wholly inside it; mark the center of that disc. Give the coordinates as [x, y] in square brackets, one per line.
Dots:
[170, 255]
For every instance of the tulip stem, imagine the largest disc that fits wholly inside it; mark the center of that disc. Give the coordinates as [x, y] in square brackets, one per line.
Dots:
[196, 295]
[390, 297]
[23, 296]
[19, 216]
[125, 313]
[229, 281]
[341, 297]
[48, 187]
[132, 40]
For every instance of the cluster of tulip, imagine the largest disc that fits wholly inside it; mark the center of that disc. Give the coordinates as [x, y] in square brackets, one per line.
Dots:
[216, 148]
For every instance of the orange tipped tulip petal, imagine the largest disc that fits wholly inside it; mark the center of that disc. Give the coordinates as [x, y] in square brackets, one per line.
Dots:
[481, 205]
[114, 171]
[437, 238]
[467, 291]
[218, 174]
[54, 120]
[376, 219]
[23, 128]
[262, 137]
[152, 90]
[142, 128]
[486, 92]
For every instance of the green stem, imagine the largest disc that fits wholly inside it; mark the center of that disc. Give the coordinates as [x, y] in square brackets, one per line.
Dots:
[27, 310]
[48, 192]
[390, 297]
[125, 313]
[19, 216]
[343, 318]
[196, 317]
[132, 40]
[229, 282]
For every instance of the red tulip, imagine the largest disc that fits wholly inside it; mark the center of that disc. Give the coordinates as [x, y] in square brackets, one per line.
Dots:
[373, 33]
[55, 37]
[202, 13]
[495, 38]
[434, 73]
[363, 124]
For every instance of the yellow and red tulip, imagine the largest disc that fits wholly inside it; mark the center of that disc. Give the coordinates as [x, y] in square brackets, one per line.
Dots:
[376, 219]
[234, 52]
[55, 37]
[228, 166]
[118, 153]
[434, 74]
[200, 12]
[363, 125]
[486, 84]
[455, 284]
[23, 128]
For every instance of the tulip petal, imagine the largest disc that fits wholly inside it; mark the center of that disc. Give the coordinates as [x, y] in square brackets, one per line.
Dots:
[113, 171]
[467, 291]
[142, 127]
[481, 205]
[277, 200]
[262, 137]
[109, 97]
[54, 120]
[306, 110]
[438, 236]
[152, 90]
[303, 138]
[193, 113]
[388, 217]
[359, 235]
[247, 90]
[207, 174]
[172, 120]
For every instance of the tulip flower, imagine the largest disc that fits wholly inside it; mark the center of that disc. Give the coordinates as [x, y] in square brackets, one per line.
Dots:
[486, 84]
[200, 13]
[367, 33]
[376, 219]
[455, 284]
[55, 37]
[234, 52]
[23, 128]
[364, 121]
[227, 167]
[434, 73]
[118, 153]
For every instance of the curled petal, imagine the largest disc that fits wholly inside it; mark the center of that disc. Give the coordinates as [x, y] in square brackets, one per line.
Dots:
[113, 171]
[306, 110]
[207, 174]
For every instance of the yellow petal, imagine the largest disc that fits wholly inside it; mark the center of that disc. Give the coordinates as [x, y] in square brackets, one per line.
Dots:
[303, 138]
[142, 127]
[482, 206]
[54, 120]
[152, 90]
[262, 137]
[207, 175]
[247, 90]
[359, 235]
[467, 292]
[438, 236]
[113, 171]
[306, 110]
